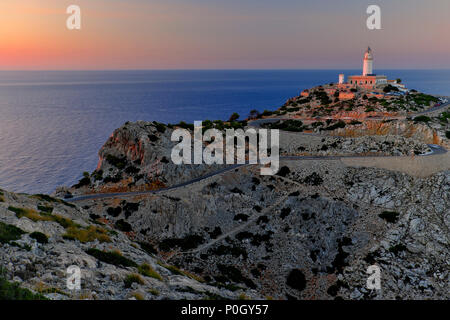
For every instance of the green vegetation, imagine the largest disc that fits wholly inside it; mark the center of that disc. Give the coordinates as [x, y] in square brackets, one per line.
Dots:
[39, 237]
[424, 99]
[30, 214]
[177, 271]
[337, 125]
[85, 235]
[266, 113]
[397, 248]
[234, 117]
[119, 163]
[287, 125]
[113, 257]
[73, 230]
[132, 278]
[389, 88]
[182, 125]
[12, 291]
[97, 175]
[148, 271]
[9, 233]
[444, 117]
[422, 119]
[85, 181]
[47, 198]
[389, 216]
[45, 209]
[154, 292]
[147, 247]
[187, 243]
[160, 127]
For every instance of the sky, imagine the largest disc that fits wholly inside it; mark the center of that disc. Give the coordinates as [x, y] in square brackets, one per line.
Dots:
[223, 34]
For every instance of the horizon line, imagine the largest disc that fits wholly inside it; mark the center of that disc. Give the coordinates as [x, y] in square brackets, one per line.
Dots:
[218, 69]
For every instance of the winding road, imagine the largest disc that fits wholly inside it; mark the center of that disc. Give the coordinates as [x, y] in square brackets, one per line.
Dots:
[436, 149]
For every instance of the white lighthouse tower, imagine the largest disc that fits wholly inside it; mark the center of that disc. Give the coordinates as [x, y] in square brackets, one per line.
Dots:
[368, 62]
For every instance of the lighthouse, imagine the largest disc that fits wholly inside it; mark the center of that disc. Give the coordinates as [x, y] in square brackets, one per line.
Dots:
[368, 62]
[368, 79]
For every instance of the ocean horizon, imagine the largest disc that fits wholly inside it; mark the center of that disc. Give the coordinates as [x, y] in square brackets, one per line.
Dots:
[53, 123]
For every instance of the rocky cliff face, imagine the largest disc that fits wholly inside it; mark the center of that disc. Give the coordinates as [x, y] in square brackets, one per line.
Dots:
[137, 156]
[406, 129]
[40, 237]
[310, 232]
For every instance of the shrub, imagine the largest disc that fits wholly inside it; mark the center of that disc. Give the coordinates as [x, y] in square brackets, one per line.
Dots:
[39, 237]
[148, 271]
[9, 233]
[422, 119]
[119, 163]
[234, 117]
[296, 280]
[339, 124]
[389, 216]
[114, 258]
[45, 209]
[147, 247]
[161, 127]
[12, 291]
[132, 278]
[122, 225]
[186, 243]
[47, 198]
[85, 181]
[98, 175]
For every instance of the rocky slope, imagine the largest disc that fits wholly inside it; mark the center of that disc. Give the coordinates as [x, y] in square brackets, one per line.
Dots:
[40, 237]
[308, 233]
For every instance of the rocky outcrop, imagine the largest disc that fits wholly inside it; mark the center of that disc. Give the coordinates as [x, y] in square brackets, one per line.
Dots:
[408, 129]
[137, 156]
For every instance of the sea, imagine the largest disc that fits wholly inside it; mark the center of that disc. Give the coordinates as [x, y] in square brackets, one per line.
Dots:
[53, 123]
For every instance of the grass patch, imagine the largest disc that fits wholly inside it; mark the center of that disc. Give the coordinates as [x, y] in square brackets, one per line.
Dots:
[9, 233]
[30, 214]
[39, 237]
[47, 198]
[154, 292]
[148, 271]
[114, 258]
[45, 209]
[85, 235]
[73, 230]
[132, 278]
[179, 272]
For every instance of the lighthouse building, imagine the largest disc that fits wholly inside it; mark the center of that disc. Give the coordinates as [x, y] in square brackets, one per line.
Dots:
[368, 79]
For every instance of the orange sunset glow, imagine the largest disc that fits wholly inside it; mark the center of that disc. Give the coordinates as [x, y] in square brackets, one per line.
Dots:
[179, 34]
